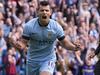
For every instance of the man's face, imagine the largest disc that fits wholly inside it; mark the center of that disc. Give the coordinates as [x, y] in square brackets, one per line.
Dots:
[44, 13]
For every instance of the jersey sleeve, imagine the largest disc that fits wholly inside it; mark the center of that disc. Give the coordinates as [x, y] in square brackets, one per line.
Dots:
[60, 32]
[26, 32]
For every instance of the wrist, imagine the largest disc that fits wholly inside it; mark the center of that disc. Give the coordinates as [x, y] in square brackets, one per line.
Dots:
[76, 48]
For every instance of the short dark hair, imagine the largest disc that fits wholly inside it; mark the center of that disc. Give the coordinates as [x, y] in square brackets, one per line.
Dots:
[44, 3]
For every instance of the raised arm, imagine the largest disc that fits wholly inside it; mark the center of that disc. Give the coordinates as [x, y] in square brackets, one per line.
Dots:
[97, 51]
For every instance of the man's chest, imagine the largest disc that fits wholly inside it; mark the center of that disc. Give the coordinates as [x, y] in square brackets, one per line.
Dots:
[43, 34]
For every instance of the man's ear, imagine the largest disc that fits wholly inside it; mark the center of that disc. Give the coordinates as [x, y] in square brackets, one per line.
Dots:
[37, 13]
[51, 11]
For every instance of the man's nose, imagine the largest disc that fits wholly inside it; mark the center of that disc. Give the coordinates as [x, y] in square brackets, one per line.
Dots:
[44, 11]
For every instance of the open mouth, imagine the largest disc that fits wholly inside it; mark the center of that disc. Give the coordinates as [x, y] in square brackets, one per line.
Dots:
[44, 17]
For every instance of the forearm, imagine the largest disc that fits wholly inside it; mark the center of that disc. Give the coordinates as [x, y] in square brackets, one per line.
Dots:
[97, 50]
[79, 60]
[68, 45]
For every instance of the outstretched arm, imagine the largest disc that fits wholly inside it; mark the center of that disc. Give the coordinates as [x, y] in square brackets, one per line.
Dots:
[69, 45]
[97, 51]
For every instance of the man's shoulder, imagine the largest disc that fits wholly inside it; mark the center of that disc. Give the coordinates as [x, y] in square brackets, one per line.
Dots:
[31, 22]
[54, 23]
[53, 20]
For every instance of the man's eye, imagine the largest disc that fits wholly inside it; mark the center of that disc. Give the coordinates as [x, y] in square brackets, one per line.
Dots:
[46, 10]
[41, 10]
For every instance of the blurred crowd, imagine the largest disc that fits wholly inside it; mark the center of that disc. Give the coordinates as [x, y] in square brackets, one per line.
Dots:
[80, 20]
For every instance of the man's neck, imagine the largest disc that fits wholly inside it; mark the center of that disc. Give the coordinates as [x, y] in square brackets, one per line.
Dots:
[43, 24]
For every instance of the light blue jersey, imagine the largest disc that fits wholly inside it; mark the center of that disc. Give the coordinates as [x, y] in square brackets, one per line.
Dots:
[42, 40]
[41, 44]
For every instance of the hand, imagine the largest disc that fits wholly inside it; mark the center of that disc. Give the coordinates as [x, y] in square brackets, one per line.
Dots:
[91, 54]
[77, 46]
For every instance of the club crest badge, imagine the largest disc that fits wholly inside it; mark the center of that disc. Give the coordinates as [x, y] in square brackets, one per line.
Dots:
[49, 34]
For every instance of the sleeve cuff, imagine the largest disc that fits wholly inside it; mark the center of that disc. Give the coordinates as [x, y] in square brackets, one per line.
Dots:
[61, 38]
